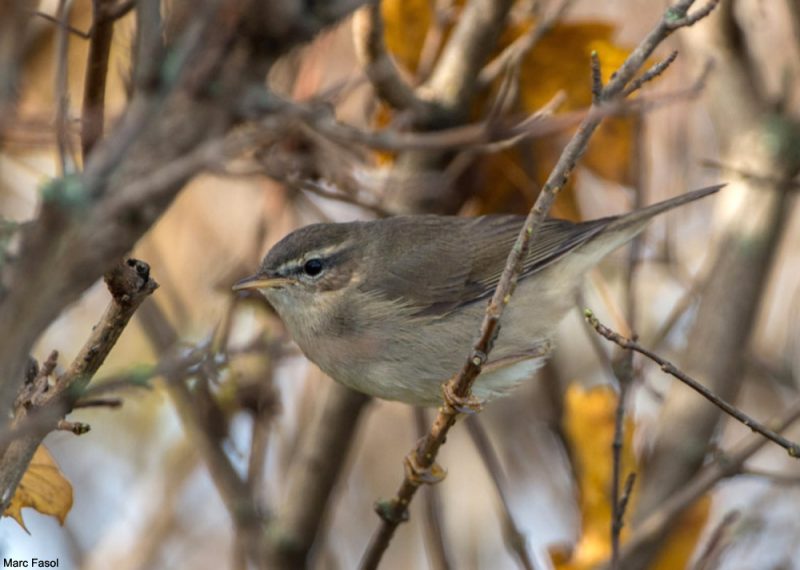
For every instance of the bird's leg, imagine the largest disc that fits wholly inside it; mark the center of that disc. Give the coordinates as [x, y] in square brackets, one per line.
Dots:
[419, 474]
[463, 405]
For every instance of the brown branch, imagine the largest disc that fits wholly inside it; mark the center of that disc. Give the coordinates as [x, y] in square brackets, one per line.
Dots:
[41, 407]
[62, 24]
[792, 448]
[715, 544]
[513, 55]
[378, 64]
[513, 537]
[204, 423]
[312, 476]
[620, 505]
[94, 89]
[623, 369]
[61, 89]
[651, 73]
[432, 499]
[420, 463]
[454, 80]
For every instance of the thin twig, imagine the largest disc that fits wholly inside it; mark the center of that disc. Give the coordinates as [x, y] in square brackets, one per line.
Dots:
[793, 449]
[624, 373]
[651, 73]
[752, 176]
[620, 506]
[61, 24]
[712, 548]
[61, 90]
[322, 189]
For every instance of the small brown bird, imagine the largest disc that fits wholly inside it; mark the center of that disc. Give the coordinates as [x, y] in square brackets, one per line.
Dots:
[391, 307]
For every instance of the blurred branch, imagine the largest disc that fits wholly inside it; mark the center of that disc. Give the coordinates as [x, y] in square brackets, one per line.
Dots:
[312, 476]
[42, 406]
[420, 463]
[623, 370]
[793, 449]
[513, 55]
[514, 539]
[201, 418]
[60, 88]
[94, 86]
[99, 215]
[660, 520]
[378, 64]
[14, 22]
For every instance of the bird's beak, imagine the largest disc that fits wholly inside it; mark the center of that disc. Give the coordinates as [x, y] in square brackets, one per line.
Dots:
[260, 282]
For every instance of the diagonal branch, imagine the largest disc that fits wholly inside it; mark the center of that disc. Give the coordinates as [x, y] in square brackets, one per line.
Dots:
[423, 459]
[792, 448]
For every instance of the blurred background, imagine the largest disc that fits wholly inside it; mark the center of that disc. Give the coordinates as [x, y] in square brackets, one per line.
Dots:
[712, 287]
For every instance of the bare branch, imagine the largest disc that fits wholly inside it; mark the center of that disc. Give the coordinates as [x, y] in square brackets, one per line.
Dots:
[651, 73]
[432, 499]
[39, 407]
[312, 476]
[379, 66]
[94, 90]
[793, 449]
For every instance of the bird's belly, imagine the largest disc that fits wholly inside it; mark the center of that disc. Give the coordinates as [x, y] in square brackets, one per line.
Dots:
[410, 362]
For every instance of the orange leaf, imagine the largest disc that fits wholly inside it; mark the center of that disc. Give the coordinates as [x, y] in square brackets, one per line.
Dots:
[44, 488]
[589, 427]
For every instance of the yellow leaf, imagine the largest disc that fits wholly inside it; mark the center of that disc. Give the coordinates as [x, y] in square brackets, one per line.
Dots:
[677, 549]
[589, 427]
[560, 61]
[406, 24]
[44, 488]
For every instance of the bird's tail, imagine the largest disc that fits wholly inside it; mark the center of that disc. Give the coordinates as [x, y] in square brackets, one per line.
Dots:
[641, 216]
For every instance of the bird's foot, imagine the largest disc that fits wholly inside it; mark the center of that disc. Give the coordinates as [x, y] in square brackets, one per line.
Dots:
[461, 404]
[420, 475]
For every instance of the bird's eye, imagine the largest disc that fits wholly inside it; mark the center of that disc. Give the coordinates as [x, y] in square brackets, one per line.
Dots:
[313, 267]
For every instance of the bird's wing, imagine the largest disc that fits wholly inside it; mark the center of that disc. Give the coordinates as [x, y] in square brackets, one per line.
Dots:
[457, 261]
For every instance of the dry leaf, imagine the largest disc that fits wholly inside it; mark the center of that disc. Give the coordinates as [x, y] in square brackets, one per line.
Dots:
[589, 427]
[44, 488]
[560, 61]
